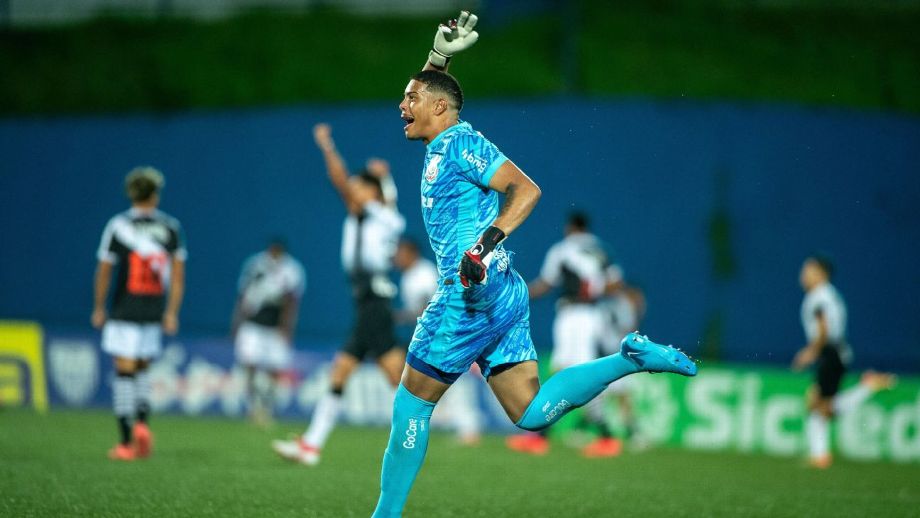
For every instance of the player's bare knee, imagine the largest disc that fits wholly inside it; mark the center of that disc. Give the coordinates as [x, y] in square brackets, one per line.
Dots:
[125, 365]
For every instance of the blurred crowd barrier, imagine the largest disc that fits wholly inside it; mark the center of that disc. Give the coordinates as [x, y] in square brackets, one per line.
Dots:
[725, 408]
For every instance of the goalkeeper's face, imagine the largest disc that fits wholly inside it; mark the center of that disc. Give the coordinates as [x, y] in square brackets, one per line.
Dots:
[418, 110]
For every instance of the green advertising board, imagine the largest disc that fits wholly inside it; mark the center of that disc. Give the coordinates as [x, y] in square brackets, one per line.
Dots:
[762, 410]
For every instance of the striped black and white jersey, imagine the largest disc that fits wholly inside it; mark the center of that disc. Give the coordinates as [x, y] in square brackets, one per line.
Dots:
[825, 301]
[141, 245]
[369, 241]
[368, 245]
[418, 284]
[265, 282]
[580, 267]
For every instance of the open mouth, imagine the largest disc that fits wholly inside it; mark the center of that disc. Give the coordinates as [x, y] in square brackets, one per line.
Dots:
[408, 119]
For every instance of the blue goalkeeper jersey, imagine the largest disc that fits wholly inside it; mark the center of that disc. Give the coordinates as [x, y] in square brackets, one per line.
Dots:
[457, 204]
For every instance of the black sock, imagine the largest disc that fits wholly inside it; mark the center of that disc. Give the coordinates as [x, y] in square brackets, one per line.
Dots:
[143, 412]
[604, 430]
[124, 428]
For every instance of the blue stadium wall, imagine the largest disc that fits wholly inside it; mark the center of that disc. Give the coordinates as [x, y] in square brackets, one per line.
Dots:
[787, 181]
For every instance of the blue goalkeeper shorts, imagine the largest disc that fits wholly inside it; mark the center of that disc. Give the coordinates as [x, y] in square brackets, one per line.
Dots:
[487, 324]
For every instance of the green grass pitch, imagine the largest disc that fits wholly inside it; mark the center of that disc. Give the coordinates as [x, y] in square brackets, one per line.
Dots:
[55, 465]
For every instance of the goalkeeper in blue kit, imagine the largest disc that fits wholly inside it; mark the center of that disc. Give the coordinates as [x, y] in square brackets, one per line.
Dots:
[480, 311]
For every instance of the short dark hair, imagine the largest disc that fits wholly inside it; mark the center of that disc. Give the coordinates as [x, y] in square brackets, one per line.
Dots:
[372, 181]
[444, 83]
[142, 183]
[277, 241]
[578, 220]
[824, 262]
[410, 243]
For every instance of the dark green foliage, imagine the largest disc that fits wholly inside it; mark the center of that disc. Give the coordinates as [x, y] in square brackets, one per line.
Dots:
[696, 49]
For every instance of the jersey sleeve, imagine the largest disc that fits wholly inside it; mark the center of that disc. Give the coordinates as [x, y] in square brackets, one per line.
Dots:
[176, 244]
[476, 158]
[245, 274]
[298, 280]
[551, 272]
[387, 214]
[106, 252]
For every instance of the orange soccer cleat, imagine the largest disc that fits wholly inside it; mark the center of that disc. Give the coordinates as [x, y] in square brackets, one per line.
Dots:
[531, 443]
[143, 440]
[820, 462]
[122, 452]
[603, 447]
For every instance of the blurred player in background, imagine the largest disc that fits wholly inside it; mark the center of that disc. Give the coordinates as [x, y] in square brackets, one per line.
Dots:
[148, 249]
[480, 312]
[369, 238]
[824, 317]
[621, 313]
[579, 267]
[270, 288]
[417, 285]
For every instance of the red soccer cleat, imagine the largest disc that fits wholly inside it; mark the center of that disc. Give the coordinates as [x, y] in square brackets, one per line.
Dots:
[603, 447]
[820, 462]
[531, 443]
[143, 440]
[122, 452]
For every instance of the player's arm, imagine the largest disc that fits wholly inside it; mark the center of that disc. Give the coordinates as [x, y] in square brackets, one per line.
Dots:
[550, 274]
[538, 288]
[335, 165]
[174, 301]
[101, 286]
[380, 168]
[456, 36]
[808, 354]
[237, 319]
[288, 322]
[613, 282]
[521, 196]
[238, 312]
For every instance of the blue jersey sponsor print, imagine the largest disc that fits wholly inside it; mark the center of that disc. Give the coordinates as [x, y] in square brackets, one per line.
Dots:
[488, 324]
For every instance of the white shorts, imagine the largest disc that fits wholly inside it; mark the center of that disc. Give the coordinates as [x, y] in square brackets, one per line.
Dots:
[134, 340]
[621, 386]
[262, 346]
[576, 335]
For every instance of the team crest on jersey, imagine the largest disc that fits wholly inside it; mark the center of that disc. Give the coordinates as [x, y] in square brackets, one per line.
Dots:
[431, 173]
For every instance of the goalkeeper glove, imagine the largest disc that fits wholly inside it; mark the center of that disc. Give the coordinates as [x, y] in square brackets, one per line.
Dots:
[474, 266]
[456, 36]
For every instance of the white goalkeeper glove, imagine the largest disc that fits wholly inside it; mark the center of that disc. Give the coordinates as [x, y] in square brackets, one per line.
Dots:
[458, 35]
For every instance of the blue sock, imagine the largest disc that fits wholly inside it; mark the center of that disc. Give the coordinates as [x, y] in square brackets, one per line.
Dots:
[405, 452]
[571, 388]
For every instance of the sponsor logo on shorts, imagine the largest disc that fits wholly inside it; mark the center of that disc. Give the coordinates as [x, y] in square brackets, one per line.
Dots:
[411, 433]
[557, 410]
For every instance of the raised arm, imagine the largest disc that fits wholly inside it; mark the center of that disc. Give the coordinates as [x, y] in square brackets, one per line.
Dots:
[335, 166]
[381, 169]
[456, 36]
